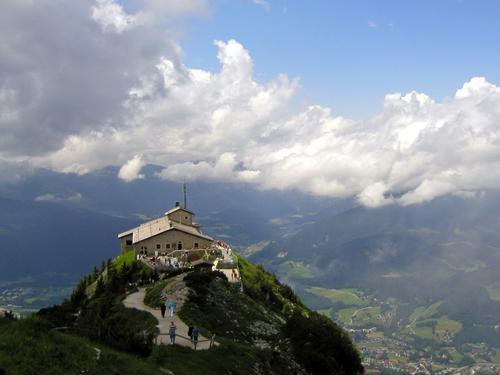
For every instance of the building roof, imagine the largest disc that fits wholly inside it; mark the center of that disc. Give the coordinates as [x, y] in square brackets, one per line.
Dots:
[126, 233]
[161, 225]
[177, 209]
[189, 229]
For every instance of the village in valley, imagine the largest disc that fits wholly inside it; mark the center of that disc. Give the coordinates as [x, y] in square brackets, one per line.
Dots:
[420, 343]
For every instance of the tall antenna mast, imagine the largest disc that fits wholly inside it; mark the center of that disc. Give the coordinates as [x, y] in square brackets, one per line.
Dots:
[184, 191]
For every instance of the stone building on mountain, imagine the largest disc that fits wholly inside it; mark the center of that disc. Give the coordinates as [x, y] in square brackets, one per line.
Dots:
[176, 230]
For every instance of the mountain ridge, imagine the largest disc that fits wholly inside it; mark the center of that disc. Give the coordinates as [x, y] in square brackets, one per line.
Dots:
[258, 329]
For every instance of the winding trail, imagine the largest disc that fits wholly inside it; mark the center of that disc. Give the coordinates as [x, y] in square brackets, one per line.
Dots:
[178, 290]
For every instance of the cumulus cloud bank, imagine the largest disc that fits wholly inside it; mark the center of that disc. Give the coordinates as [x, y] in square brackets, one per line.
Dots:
[131, 102]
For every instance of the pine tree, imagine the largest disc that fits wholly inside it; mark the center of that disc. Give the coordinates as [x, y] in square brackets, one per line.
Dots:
[100, 287]
[95, 274]
[79, 295]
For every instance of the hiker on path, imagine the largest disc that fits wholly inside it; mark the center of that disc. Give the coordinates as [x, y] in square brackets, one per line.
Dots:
[190, 330]
[163, 309]
[194, 336]
[171, 331]
[171, 306]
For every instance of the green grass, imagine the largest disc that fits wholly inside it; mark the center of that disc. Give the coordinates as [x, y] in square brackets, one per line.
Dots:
[295, 270]
[233, 358]
[232, 316]
[154, 296]
[423, 328]
[29, 347]
[446, 324]
[248, 323]
[344, 316]
[125, 258]
[346, 296]
[48, 294]
[367, 315]
[326, 312]
[425, 333]
[456, 357]
[356, 316]
[425, 312]
[259, 284]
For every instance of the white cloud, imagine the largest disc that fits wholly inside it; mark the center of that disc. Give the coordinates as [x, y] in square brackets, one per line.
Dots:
[49, 197]
[131, 170]
[264, 4]
[372, 24]
[111, 16]
[118, 106]
[66, 68]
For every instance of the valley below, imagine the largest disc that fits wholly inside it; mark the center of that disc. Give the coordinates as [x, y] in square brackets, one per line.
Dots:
[406, 337]
[27, 295]
[416, 287]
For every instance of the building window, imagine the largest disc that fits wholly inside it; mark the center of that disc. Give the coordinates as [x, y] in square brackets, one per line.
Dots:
[196, 245]
[186, 217]
[129, 242]
[158, 246]
[168, 246]
[179, 245]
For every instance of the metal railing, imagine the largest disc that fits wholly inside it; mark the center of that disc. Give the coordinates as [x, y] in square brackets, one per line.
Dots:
[211, 341]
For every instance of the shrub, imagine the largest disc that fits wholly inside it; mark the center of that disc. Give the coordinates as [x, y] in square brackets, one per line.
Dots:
[114, 325]
[63, 315]
[202, 278]
[154, 296]
[321, 346]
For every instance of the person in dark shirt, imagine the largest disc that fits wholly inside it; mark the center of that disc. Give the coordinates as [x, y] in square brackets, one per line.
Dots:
[194, 337]
[190, 330]
[171, 332]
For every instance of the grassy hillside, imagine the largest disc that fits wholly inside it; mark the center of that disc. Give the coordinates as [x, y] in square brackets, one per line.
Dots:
[29, 346]
[264, 329]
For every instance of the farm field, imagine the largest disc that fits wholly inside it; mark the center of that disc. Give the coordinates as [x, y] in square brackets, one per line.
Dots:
[389, 336]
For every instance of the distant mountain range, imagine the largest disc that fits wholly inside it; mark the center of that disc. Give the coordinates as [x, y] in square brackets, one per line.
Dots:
[65, 223]
[412, 268]
[42, 237]
[430, 242]
[441, 257]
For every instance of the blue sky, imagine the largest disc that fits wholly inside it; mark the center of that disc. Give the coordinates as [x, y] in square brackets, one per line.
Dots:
[349, 54]
[97, 83]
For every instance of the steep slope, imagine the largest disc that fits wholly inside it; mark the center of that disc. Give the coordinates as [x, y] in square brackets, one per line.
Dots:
[264, 329]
